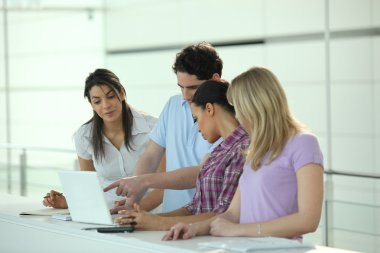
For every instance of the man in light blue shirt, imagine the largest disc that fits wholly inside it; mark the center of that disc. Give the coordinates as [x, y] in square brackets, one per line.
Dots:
[177, 135]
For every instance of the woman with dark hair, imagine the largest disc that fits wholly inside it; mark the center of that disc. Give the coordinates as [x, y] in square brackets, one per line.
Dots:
[219, 175]
[112, 141]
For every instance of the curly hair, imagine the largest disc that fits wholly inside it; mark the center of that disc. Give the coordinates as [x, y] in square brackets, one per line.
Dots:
[200, 60]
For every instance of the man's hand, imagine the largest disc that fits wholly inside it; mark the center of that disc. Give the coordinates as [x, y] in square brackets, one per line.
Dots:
[129, 187]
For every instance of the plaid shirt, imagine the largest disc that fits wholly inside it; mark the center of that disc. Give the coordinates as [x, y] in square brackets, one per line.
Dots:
[219, 177]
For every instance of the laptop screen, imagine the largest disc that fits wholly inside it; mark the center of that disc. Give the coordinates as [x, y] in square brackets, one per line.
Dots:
[85, 197]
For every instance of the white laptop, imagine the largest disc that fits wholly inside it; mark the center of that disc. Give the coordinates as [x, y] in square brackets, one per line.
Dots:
[85, 197]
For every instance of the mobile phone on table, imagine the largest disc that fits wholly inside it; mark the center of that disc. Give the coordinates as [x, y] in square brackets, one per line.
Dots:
[120, 229]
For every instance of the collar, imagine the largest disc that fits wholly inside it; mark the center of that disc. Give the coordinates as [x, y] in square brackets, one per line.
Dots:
[183, 101]
[140, 124]
[234, 137]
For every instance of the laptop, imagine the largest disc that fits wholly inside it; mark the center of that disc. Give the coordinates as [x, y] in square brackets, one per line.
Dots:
[85, 197]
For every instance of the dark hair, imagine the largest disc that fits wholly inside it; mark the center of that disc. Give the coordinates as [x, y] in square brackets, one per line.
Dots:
[214, 92]
[200, 60]
[108, 78]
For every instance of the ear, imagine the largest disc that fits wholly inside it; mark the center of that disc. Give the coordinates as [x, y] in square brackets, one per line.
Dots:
[122, 95]
[210, 109]
[215, 77]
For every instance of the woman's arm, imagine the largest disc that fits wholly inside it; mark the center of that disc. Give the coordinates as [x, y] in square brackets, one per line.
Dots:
[306, 220]
[186, 231]
[147, 221]
[233, 212]
[167, 222]
[232, 172]
[86, 165]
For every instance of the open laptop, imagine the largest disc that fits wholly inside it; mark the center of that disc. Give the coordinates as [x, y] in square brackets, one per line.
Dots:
[85, 197]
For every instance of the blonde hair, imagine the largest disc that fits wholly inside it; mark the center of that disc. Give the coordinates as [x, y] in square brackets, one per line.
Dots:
[262, 108]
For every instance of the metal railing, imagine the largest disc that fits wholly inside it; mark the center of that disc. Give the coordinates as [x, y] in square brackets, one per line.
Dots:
[330, 201]
[23, 162]
[353, 174]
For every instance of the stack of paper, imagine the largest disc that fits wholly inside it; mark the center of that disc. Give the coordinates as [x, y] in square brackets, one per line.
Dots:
[255, 244]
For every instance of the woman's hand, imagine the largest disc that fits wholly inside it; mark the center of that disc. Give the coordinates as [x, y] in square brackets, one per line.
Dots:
[55, 199]
[125, 204]
[140, 219]
[223, 227]
[180, 231]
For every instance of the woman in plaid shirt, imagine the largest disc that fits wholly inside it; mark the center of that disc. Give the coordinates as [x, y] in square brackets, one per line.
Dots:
[218, 179]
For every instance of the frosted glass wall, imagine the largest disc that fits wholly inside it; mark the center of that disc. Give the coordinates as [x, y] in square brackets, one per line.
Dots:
[3, 133]
[47, 75]
[355, 126]
[53, 45]
[288, 37]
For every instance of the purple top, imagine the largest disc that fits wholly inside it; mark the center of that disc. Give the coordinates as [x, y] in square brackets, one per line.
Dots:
[271, 191]
[219, 177]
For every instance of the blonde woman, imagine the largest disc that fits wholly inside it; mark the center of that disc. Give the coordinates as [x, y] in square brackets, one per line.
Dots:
[280, 192]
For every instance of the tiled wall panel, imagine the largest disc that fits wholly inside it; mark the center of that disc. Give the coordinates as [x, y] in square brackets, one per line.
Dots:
[350, 14]
[215, 20]
[283, 17]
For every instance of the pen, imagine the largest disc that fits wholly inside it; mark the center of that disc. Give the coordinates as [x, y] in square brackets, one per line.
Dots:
[57, 194]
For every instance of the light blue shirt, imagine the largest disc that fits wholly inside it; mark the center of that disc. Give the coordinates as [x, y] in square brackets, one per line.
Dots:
[178, 134]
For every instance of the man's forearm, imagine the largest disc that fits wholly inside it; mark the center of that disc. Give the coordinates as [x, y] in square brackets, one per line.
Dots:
[151, 159]
[152, 199]
[180, 179]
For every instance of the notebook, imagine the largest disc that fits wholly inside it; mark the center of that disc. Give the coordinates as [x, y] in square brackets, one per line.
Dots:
[85, 197]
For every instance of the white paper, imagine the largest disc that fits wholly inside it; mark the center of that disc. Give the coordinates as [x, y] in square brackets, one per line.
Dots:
[64, 217]
[253, 244]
